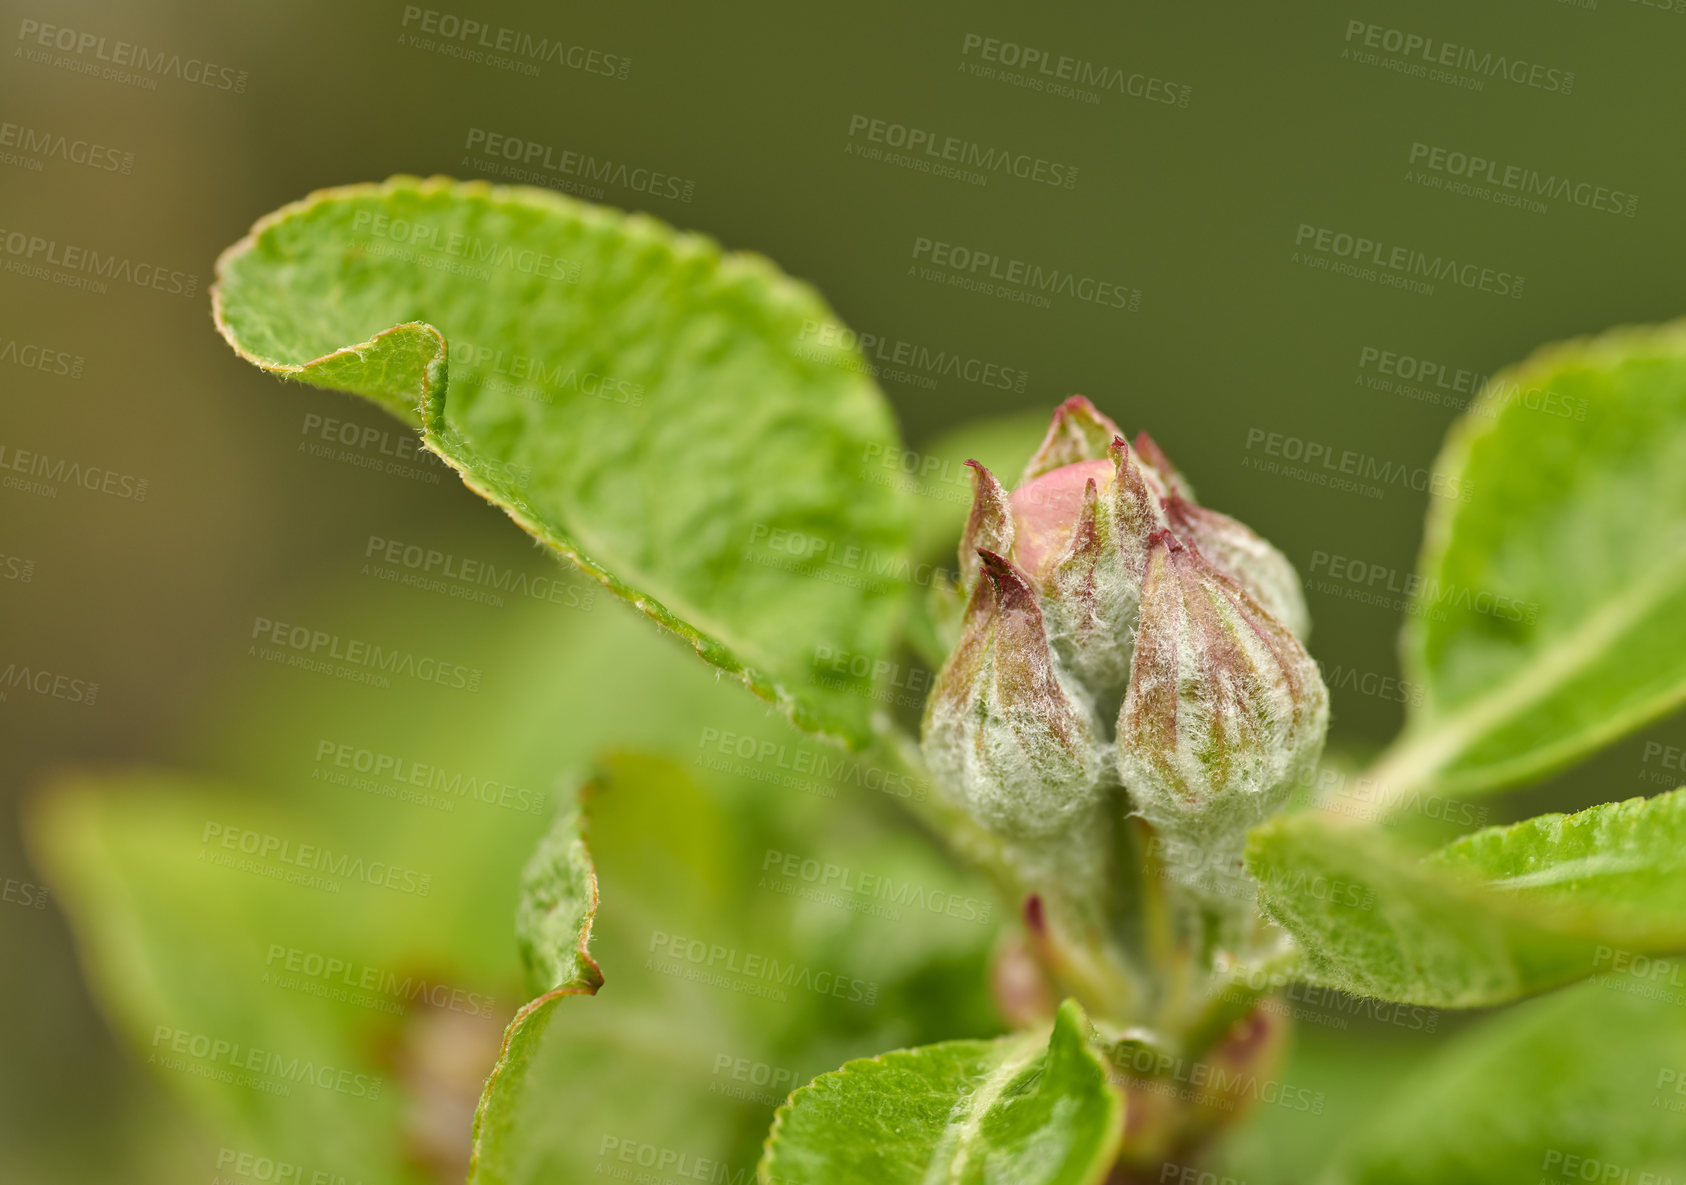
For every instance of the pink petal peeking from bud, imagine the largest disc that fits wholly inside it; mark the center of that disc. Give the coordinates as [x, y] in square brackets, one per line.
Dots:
[1091, 590]
[1079, 431]
[1047, 509]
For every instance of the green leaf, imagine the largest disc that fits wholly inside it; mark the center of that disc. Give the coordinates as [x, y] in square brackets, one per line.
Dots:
[1616, 872]
[1583, 1085]
[1013, 1109]
[552, 930]
[170, 939]
[727, 980]
[1373, 918]
[210, 962]
[1551, 617]
[653, 408]
[558, 902]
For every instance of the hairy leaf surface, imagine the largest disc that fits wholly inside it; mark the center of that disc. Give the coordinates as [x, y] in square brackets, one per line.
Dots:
[1551, 614]
[1502, 913]
[669, 416]
[1016, 1109]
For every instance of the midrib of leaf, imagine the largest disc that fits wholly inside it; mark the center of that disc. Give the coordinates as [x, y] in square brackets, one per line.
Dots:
[1584, 869]
[962, 1135]
[1420, 754]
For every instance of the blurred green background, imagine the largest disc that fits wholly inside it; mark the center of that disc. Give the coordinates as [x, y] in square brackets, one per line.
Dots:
[765, 116]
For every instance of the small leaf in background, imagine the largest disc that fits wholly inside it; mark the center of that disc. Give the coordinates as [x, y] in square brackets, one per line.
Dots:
[553, 930]
[641, 401]
[213, 959]
[1551, 614]
[732, 972]
[169, 939]
[209, 949]
[1016, 1109]
[1583, 1085]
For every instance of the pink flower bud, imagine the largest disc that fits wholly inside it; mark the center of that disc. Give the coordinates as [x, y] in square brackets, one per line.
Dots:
[1225, 711]
[1233, 549]
[1002, 727]
[1048, 510]
[1088, 562]
[1050, 651]
[1079, 431]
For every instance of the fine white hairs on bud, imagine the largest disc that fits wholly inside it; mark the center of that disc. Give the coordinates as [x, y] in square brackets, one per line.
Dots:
[1091, 581]
[989, 527]
[1225, 712]
[1079, 431]
[1117, 633]
[1236, 551]
[1001, 726]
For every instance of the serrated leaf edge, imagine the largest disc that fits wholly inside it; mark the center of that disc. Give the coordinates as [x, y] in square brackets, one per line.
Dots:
[429, 410]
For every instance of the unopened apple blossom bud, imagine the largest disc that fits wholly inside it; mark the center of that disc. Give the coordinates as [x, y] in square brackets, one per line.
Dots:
[1054, 574]
[1002, 728]
[1225, 712]
[1079, 431]
[989, 527]
[1236, 551]
[1081, 530]
[1232, 547]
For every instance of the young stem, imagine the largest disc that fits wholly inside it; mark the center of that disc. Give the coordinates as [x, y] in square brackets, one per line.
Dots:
[1234, 992]
[1105, 921]
[1064, 885]
[1069, 881]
